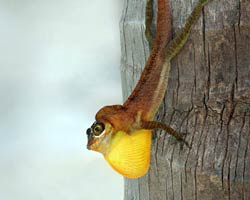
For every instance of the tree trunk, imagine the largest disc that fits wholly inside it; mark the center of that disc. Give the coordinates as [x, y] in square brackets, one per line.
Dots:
[208, 96]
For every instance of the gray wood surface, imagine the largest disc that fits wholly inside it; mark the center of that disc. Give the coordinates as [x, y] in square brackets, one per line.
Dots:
[208, 96]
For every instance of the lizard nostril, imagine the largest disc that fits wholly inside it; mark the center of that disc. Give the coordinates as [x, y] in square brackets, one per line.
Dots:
[88, 131]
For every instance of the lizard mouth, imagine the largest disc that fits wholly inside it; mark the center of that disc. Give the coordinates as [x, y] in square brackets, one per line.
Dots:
[89, 144]
[90, 138]
[93, 144]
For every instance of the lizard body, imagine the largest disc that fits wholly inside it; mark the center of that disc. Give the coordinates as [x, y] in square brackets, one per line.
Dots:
[122, 133]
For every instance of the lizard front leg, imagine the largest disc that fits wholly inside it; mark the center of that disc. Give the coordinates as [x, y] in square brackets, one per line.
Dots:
[149, 125]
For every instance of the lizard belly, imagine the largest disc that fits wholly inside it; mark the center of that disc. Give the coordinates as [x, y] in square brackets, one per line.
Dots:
[130, 153]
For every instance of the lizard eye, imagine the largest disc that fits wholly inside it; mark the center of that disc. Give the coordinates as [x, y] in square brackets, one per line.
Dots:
[98, 129]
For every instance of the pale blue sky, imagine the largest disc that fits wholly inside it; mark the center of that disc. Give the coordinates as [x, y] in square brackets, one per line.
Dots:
[59, 64]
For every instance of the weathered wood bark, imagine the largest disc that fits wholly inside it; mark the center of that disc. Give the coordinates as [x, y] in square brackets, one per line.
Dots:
[208, 96]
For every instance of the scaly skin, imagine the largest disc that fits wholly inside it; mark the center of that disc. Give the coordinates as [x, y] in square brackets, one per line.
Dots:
[122, 133]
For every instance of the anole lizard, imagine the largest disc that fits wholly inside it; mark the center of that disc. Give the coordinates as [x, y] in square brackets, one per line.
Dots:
[122, 133]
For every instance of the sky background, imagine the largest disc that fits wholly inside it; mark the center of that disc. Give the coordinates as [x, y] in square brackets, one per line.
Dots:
[59, 64]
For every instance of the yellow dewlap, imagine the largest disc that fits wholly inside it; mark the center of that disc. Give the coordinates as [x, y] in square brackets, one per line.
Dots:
[130, 154]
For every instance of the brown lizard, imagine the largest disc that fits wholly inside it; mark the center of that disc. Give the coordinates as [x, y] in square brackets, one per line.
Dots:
[122, 133]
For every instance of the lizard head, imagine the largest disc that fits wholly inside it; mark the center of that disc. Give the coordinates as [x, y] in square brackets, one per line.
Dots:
[99, 136]
[103, 129]
[127, 151]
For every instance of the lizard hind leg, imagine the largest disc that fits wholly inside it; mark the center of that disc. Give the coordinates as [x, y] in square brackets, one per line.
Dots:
[158, 125]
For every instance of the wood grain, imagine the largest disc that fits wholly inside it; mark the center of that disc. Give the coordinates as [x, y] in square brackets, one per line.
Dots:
[208, 96]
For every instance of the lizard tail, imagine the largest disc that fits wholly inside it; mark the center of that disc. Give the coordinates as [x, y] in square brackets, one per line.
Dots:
[178, 42]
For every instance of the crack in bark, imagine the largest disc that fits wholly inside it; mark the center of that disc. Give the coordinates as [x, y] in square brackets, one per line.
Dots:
[192, 95]
[198, 146]
[148, 183]
[185, 119]
[195, 76]
[239, 146]
[172, 115]
[230, 117]
[181, 188]
[156, 150]
[126, 2]
[133, 72]
[142, 36]
[202, 131]
[178, 84]
[195, 183]
[170, 121]
[166, 194]
[164, 108]
[139, 188]
[204, 148]
[239, 16]
[191, 144]
[171, 170]
[206, 57]
[209, 72]
[187, 112]
[219, 133]
[235, 57]
[229, 179]
[163, 117]
[244, 166]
